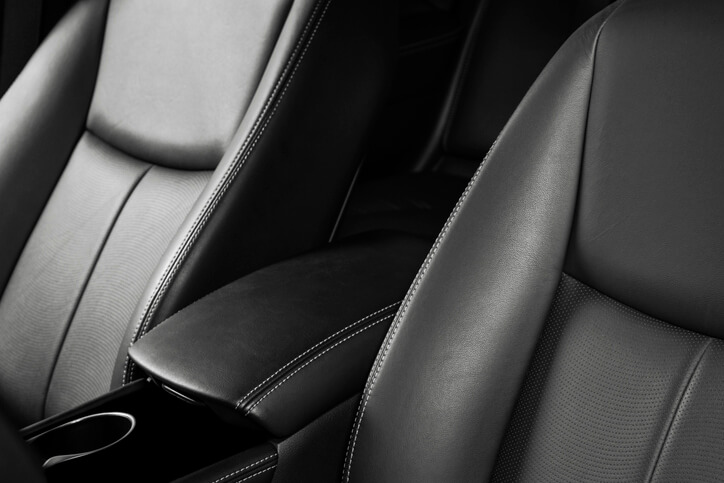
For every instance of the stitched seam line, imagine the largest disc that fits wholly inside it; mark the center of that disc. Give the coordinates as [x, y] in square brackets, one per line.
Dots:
[244, 468]
[695, 369]
[256, 474]
[609, 300]
[89, 275]
[242, 155]
[401, 314]
[338, 343]
[315, 346]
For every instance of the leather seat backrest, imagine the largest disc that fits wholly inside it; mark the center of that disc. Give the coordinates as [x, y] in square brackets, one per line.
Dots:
[567, 324]
[153, 151]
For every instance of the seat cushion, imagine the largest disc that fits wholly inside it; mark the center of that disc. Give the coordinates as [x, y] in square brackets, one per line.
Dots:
[614, 394]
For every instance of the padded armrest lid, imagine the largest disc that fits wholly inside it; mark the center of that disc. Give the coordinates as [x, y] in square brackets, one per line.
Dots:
[283, 345]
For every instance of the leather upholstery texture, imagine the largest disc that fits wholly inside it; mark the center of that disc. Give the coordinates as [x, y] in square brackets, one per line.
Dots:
[614, 396]
[316, 453]
[154, 151]
[499, 259]
[51, 108]
[566, 325]
[278, 348]
[193, 65]
[648, 230]
[255, 465]
[35, 309]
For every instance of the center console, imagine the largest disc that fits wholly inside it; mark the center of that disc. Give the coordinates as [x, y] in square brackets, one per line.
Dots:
[167, 440]
[238, 373]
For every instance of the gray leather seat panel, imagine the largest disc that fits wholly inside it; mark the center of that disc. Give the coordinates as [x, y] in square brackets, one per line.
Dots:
[131, 253]
[42, 296]
[176, 76]
[499, 260]
[694, 447]
[649, 225]
[51, 108]
[602, 391]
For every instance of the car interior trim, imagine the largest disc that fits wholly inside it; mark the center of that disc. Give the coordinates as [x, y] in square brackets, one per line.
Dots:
[232, 170]
[246, 398]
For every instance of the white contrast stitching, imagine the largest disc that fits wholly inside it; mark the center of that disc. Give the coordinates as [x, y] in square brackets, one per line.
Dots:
[240, 402]
[257, 474]
[315, 358]
[244, 468]
[221, 188]
[401, 314]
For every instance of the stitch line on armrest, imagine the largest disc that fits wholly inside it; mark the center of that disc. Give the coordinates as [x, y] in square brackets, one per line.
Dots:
[341, 341]
[219, 480]
[257, 474]
[311, 349]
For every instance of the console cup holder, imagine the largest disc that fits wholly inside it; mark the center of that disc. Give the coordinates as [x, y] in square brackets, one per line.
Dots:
[82, 437]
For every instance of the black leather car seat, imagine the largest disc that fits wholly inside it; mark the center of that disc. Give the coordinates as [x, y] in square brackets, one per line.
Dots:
[568, 322]
[153, 151]
[507, 45]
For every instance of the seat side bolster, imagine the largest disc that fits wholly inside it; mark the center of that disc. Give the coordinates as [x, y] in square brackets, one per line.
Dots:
[42, 116]
[449, 372]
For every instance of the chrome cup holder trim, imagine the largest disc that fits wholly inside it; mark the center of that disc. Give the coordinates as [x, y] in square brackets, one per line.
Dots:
[54, 460]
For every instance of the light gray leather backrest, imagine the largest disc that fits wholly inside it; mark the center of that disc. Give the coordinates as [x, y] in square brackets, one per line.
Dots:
[177, 75]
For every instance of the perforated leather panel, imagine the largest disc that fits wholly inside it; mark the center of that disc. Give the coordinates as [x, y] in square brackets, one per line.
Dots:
[52, 272]
[601, 394]
[694, 450]
[144, 228]
[103, 233]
